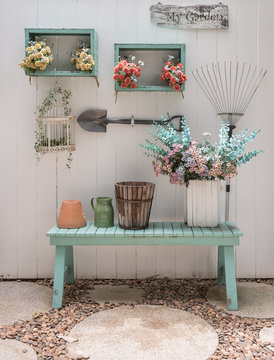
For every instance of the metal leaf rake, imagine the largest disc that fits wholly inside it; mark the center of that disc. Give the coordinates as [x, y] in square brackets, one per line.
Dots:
[230, 89]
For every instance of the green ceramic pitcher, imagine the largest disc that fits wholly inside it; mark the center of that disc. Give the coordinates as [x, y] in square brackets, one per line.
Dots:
[103, 212]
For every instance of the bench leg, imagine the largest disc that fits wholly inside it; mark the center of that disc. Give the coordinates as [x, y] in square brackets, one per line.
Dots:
[221, 266]
[69, 274]
[59, 273]
[230, 278]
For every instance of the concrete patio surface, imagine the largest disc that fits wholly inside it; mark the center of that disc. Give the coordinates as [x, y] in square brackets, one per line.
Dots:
[116, 294]
[20, 300]
[143, 333]
[254, 300]
[15, 350]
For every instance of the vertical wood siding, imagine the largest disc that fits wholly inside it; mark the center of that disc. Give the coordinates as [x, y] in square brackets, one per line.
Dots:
[32, 192]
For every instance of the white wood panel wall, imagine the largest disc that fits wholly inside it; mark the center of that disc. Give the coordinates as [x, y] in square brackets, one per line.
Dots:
[32, 193]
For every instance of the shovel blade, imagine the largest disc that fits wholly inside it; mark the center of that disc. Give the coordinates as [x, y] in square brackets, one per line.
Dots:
[92, 120]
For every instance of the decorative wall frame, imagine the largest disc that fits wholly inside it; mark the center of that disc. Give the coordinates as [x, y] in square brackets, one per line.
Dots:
[62, 43]
[154, 57]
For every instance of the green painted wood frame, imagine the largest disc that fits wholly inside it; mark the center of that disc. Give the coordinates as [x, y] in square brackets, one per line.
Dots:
[31, 32]
[179, 47]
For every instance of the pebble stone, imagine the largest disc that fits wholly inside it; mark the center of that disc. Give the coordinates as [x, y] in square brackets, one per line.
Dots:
[144, 333]
[267, 337]
[15, 350]
[121, 294]
[255, 300]
[238, 336]
[21, 300]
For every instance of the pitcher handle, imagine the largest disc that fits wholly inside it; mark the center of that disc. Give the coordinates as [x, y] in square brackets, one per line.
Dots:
[91, 202]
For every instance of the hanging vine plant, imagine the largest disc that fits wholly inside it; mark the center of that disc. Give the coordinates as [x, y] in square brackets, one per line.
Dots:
[50, 100]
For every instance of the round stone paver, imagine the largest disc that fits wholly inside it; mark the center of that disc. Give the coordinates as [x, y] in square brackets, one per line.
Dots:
[143, 333]
[15, 350]
[254, 300]
[267, 336]
[19, 300]
[116, 294]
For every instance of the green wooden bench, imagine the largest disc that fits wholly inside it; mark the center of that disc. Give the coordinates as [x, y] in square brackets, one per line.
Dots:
[225, 236]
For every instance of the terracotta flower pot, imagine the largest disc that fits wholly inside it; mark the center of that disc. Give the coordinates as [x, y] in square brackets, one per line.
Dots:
[71, 215]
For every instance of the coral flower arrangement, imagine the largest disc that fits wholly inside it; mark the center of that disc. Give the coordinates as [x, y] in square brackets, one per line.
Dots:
[126, 73]
[82, 58]
[184, 159]
[38, 56]
[173, 74]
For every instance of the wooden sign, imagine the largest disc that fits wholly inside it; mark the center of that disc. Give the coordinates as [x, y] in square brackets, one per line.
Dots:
[190, 17]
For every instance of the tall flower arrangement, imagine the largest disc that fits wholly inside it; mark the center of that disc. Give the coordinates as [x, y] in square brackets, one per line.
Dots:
[126, 73]
[173, 74]
[183, 159]
[38, 56]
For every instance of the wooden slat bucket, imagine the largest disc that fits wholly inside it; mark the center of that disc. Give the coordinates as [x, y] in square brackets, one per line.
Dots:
[133, 201]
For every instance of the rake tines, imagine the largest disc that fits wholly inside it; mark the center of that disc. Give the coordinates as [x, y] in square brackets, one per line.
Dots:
[229, 88]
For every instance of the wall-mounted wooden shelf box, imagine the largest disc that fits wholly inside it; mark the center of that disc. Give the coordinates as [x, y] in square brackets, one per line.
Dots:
[154, 57]
[62, 43]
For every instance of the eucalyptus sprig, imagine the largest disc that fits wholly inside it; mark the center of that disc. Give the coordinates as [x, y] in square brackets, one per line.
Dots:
[165, 136]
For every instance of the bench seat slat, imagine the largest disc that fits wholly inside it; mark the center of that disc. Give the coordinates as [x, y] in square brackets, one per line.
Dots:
[149, 230]
[216, 231]
[101, 231]
[119, 231]
[53, 230]
[207, 231]
[62, 232]
[129, 232]
[234, 229]
[111, 230]
[91, 230]
[187, 230]
[168, 230]
[140, 232]
[83, 230]
[177, 229]
[158, 229]
[72, 232]
[197, 231]
[225, 229]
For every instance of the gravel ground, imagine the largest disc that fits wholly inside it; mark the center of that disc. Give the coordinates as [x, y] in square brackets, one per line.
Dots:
[238, 337]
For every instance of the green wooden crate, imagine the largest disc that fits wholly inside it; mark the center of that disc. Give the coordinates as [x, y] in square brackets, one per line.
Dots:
[154, 57]
[62, 42]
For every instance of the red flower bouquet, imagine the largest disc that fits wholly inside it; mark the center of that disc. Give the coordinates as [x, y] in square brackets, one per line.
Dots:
[173, 74]
[126, 73]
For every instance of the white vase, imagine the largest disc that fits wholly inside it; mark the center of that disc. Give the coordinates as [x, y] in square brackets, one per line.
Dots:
[202, 203]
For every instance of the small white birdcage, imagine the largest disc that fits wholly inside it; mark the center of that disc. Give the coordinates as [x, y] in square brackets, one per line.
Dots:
[56, 129]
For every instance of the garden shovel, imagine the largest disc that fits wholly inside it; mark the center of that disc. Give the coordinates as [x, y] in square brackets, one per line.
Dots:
[96, 121]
